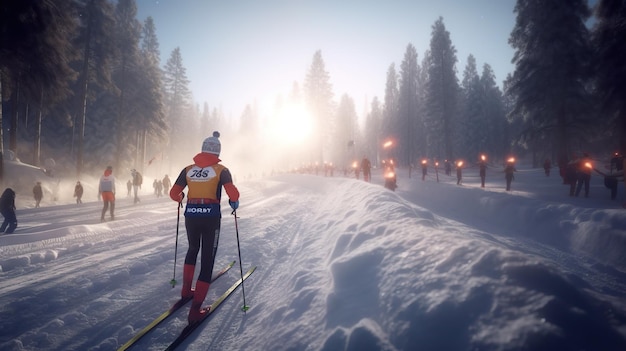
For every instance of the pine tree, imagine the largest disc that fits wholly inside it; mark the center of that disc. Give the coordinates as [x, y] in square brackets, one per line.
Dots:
[408, 120]
[346, 135]
[551, 77]
[609, 41]
[318, 96]
[473, 112]
[97, 51]
[34, 56]
[152, 125]
[390, 110]
[373, 134]
[127, 76]
[177, 98]
[441, 92]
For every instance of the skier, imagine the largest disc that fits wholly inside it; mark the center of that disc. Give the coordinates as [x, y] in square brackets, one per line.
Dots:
[366, 166]
[205, 179]
[37, 194]
[459, 172]
[167, 183]
[546, 166]
[106, 189]
[7, 209]
[509, 168]
[137, 180]
[482, 166]
[78, 192]
[584, 174]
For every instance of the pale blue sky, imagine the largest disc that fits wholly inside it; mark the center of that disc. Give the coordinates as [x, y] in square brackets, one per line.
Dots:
[239, 52]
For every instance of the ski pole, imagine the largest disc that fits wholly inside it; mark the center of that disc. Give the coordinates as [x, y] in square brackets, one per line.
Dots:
[243, 290]
[173, 281]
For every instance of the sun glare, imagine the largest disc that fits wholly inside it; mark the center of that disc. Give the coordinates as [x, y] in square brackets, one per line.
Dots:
[291, 125]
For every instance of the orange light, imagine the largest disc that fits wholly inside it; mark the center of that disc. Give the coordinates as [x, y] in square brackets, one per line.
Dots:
[436, 163]
[390, 174]
[588, 165]
[511, 160]
[483, 157]
[424, 162]
[387, 144]
[459, 164]
[354, 164]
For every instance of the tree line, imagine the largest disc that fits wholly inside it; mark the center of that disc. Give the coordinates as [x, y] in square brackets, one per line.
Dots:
[82, 80]
[566, 95]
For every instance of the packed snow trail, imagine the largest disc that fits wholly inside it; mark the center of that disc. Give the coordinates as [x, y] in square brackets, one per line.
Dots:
[342, 264]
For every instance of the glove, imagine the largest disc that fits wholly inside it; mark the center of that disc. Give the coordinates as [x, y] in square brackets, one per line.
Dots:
[233, 204]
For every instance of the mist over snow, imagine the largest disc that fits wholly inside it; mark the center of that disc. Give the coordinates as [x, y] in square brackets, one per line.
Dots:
[342, 265]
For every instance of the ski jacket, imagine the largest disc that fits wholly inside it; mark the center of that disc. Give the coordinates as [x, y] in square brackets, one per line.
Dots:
[204, 179]
[107, 182]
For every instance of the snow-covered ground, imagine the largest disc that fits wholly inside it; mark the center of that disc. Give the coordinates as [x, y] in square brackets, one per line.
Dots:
[342, 265]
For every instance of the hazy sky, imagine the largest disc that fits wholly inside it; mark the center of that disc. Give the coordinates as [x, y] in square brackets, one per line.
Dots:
[242, 52]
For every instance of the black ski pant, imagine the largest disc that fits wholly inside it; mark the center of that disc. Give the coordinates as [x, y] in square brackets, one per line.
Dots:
[202, 233]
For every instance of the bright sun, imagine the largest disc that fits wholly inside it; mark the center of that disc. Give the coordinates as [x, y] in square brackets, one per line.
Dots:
[291, 124]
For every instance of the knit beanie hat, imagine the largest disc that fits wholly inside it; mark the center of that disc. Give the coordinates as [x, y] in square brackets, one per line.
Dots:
[212, 144]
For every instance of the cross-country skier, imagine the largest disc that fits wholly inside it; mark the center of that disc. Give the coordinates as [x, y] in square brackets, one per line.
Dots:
[204, 180]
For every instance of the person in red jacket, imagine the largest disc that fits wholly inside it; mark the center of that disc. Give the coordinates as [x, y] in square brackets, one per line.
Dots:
[204, 180]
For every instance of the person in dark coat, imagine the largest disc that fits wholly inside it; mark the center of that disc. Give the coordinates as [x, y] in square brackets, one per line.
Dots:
[78, 192]
[584, 174]
[37, 194]
[509, 169]
[482, 170]
[7, 209]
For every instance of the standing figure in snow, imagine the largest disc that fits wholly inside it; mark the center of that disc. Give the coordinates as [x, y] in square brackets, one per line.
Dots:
[459, 172]
[509, 168]
[482, 167]
[570, 176]
[78, 192]
[204, 180]
[137, 180]
[584, 174]
[129, 186]
[37, 194]
[106, 189]
[7, 209]
[546, 166]
[366, 166]
[167, 183]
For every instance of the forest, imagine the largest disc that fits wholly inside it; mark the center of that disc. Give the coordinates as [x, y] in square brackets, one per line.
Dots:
[82, 84]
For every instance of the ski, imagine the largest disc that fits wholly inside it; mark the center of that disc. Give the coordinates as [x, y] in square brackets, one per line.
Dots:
[180, 303]
[191, 327]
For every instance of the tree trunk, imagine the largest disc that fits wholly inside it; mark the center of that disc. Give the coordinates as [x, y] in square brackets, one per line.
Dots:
[14, 114]
[37, 151]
